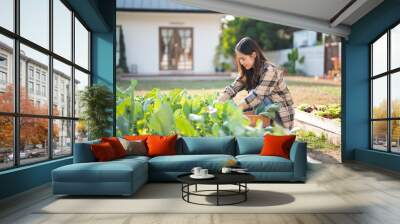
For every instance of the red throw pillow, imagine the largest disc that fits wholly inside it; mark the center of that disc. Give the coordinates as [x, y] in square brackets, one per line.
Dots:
[116, 145]
[161, 145]
[277, 145]
[103, 151]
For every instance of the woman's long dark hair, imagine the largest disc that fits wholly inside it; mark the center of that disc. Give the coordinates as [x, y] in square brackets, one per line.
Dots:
[251, 77]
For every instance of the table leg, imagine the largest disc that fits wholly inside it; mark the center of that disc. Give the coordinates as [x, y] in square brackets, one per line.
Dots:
[182, 189]
[217, 194]
[188, 190]
[196, 188]
[245, 193]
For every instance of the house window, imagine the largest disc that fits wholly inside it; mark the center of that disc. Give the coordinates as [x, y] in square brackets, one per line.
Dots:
[3, 78]
[30, 87]
[55, 32]
[3, 61]
[385, 97]
[3, 70]
[37, 74]
[30, 72]
[44, 91]
[43, 77]
[176, 48]
[38, 89]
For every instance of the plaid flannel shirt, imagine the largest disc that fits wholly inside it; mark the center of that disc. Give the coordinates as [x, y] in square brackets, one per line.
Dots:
[271, 85]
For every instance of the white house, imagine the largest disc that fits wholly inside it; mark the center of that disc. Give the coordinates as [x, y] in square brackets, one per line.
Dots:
[304, 38]
[319, 59]
[163, 37]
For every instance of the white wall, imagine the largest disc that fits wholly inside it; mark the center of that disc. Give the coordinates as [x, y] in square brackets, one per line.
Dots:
[141, 34]
[313, 59]
[304, 38]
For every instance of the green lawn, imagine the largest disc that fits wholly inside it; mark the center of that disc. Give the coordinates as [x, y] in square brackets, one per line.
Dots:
[303, 89]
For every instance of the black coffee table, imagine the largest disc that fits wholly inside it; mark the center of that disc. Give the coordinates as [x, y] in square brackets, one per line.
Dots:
[238, 179]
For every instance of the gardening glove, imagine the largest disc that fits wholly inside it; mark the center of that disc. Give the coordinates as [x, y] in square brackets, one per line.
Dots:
[223, 97]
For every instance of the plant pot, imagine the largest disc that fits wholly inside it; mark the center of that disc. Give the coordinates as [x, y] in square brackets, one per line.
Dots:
[254, 118]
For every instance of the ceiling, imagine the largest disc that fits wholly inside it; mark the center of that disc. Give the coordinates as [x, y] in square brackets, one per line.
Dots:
[326, 16]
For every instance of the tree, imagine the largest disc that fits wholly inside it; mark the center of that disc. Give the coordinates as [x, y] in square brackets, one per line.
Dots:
[33, 130]
[269, 36]
[122, 64]
[293, 57]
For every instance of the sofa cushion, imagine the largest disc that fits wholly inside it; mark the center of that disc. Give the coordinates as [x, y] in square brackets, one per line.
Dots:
[116, 145]
[207, 145]
[134, 147]
[249, 145]
[136, 137]
[112, 171]
[161, 145]
[133, 158]
[257, 163]
[185, 163]
[103, 151]
[275, 145]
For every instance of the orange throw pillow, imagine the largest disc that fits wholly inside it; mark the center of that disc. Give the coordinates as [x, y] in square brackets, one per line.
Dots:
[103, 152]
[116, 145]
[161, 145]
[277, 145]
[136, 137]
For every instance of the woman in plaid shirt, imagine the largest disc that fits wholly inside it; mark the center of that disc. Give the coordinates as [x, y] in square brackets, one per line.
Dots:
[263, 81]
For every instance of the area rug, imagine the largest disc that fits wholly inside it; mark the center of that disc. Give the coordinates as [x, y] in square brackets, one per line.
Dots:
[166, 198]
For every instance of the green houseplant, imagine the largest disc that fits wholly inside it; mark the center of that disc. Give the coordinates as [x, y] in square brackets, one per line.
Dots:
[97, 102]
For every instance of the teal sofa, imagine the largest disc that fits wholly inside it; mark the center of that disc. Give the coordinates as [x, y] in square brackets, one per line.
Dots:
[125, 176]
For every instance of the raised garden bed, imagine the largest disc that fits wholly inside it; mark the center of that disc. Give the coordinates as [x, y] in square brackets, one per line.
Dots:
[311, 122]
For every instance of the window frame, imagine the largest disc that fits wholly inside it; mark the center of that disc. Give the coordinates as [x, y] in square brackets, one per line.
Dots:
[16, 114]
[388, 74]
[159, 47]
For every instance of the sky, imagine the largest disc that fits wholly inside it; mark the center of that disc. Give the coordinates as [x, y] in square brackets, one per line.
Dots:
[379, 59]
[35, 27]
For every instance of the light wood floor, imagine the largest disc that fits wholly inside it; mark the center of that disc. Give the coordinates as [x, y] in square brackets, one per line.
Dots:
[378, 189]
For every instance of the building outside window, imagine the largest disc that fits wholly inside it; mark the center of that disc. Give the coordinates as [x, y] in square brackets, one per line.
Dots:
[34, 76]
[385, 96]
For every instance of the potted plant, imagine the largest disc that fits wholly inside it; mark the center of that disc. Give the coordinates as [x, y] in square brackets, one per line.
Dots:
[97, 102]
[266, 114]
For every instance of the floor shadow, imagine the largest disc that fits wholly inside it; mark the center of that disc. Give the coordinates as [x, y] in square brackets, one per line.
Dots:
[255, 198]
[322, 157]
[155, 190]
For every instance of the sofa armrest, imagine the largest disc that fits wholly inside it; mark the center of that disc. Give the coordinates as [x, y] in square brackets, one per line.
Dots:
[83, 152]
[298, 155]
